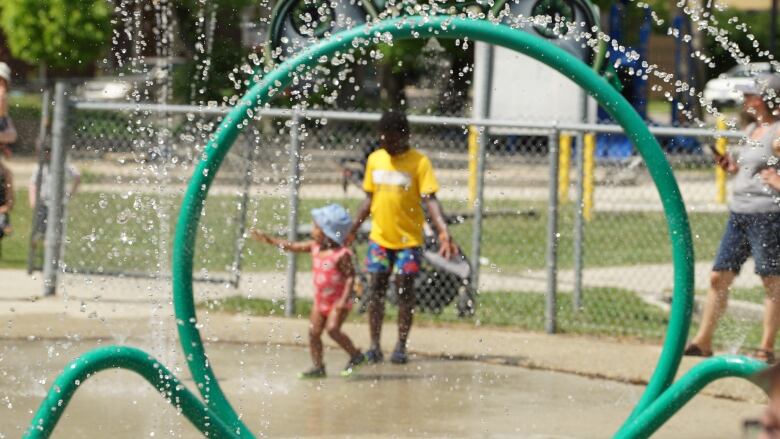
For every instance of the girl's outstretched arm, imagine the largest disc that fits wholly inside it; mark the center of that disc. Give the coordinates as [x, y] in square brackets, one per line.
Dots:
[288, 246]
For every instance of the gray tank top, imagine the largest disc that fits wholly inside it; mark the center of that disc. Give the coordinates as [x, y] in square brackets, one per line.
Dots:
[750, 194]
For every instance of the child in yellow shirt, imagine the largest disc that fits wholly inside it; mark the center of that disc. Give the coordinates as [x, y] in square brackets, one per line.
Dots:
[398, 179]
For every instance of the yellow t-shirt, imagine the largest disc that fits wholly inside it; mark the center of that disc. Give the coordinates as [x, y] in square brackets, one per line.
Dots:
[398, 184]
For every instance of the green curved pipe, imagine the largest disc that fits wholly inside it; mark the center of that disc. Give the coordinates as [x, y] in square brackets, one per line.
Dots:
[679, 393]
[440, 27]
[121, 357]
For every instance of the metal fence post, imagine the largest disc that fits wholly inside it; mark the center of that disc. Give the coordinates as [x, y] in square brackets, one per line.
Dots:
[292, 225]
[243, 211]
[550, 322]
[483, 67]
[579, 222]
[53, 240]
[479, 206]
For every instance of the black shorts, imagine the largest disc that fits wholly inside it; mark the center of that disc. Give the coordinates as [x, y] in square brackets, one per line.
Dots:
[754, 234]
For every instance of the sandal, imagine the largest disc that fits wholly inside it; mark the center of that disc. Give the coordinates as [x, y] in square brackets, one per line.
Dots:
[765, 355]
[693, 350]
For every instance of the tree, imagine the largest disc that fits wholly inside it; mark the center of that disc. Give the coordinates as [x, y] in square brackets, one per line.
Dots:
[57, 33]
[220, 59]
[741, 40]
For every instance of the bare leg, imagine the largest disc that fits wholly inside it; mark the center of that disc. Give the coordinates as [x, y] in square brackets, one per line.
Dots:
[405, 308]
[376, 307]
[717, 299]
[316, 325]
[771, 312]
[335, 320]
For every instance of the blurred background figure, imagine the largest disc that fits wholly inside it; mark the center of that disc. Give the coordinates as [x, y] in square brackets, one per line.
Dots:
[753, 227]
[40, 197]
[7, 137]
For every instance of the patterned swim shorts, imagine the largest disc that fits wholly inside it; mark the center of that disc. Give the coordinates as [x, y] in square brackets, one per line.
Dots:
[385, 260]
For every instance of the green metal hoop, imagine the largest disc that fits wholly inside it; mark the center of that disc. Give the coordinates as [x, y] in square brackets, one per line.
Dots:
[441, 27]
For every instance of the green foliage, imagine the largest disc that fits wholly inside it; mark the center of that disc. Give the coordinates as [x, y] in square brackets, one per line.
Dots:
[758, 26]
[190, 84]
[59, 33]
[402, 56]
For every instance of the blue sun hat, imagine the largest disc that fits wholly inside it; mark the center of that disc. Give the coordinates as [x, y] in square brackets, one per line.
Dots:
[334, 221]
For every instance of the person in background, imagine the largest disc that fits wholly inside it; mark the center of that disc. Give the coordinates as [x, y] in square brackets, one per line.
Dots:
[334, 277]
[398, 179]
[7, 137]
[753, 227]
[42, 195]
[6, 193]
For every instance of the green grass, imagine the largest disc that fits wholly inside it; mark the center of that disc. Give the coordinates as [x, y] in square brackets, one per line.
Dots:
[626, 238]
[659, 106]
[15, 246]
[25, 100]
[607, 311]
[114, 231]
[752, 295]
[755, 295]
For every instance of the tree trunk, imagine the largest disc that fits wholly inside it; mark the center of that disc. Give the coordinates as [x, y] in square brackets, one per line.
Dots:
[700, 45]
[393, 84]
[42, 74]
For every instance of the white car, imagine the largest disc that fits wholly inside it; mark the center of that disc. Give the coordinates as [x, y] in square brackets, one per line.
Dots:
[112, 89]
[722, 91]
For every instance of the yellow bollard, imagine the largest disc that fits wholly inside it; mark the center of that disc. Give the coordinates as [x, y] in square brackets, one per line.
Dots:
[473, 153]
[589, 151]
[564, 162]
[720, 175]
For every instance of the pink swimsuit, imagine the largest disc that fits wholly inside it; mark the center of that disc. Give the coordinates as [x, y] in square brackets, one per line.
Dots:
[329, 283]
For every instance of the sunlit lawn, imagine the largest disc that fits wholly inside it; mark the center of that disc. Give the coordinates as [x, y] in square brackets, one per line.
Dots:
[115, 232]
[606, 311]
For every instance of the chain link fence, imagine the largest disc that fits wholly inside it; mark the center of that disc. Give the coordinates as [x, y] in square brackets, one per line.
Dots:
[124, 180]
[613, 267]
[610, 274]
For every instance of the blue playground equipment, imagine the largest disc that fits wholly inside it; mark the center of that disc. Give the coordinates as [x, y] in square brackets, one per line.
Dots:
[213, 414]
[622, 71]
[621, 68]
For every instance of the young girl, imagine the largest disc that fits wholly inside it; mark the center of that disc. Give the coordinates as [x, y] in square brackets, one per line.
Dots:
[334, 276]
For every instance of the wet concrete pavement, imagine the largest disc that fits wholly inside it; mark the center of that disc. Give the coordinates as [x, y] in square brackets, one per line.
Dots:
[426, 398]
